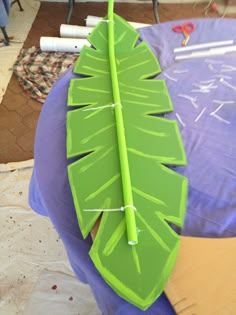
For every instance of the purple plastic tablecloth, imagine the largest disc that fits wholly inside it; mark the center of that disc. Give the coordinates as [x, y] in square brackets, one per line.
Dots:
[203, 92]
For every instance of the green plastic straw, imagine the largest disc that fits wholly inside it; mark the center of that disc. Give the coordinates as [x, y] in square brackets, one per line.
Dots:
[124, 163]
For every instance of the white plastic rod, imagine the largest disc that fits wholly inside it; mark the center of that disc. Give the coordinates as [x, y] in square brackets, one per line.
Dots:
[74, 31]
[207, 53]
[92, 21]
[205, 45]
[62, 44]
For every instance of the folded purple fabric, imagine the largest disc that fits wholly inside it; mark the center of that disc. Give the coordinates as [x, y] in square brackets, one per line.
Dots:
[203, 92]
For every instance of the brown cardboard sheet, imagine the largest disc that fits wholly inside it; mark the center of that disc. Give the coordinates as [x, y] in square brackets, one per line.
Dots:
[204, 278]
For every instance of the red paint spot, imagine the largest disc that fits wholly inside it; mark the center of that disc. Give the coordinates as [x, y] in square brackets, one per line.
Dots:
[54, 287]
[71, 298]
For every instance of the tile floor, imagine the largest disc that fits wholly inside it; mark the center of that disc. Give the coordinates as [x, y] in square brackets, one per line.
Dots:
[18, 112]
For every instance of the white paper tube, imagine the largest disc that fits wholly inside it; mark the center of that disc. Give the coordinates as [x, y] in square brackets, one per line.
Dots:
[74, 31]
[92, 21]
[62, 44]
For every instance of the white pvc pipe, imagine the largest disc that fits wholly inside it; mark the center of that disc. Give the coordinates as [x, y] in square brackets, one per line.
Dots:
[204, 45]
[62, 44]
[92, 21]
[207, 53]
[74, 31]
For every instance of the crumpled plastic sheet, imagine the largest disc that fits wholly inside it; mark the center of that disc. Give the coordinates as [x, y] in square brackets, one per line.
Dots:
[33, 258]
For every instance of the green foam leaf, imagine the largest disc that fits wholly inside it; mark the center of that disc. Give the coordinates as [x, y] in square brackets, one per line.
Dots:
[125, 152]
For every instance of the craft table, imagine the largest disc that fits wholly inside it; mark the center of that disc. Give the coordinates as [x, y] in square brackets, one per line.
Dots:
[203, 92]
[71, 4]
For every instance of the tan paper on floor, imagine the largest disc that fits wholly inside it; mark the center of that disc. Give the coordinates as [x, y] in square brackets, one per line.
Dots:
[30, 246]
[61, 294]
[204, 278]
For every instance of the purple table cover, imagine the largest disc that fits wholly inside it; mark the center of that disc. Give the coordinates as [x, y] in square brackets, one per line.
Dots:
[203, 92]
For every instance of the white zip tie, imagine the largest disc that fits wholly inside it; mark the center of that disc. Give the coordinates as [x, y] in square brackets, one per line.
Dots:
[111, 210]
[222, 103]
[218, 108]
[225, 102]
[205, 87]
[181, 71]
[220, 118]
[208, 81]
[228, 68]
[213, 61]
[180, 119]
[191, 99]
[200, 91]
[222, 76]
[169, 77]
[225, 83]
[198, 117]
[128, 206]
[211, 67]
